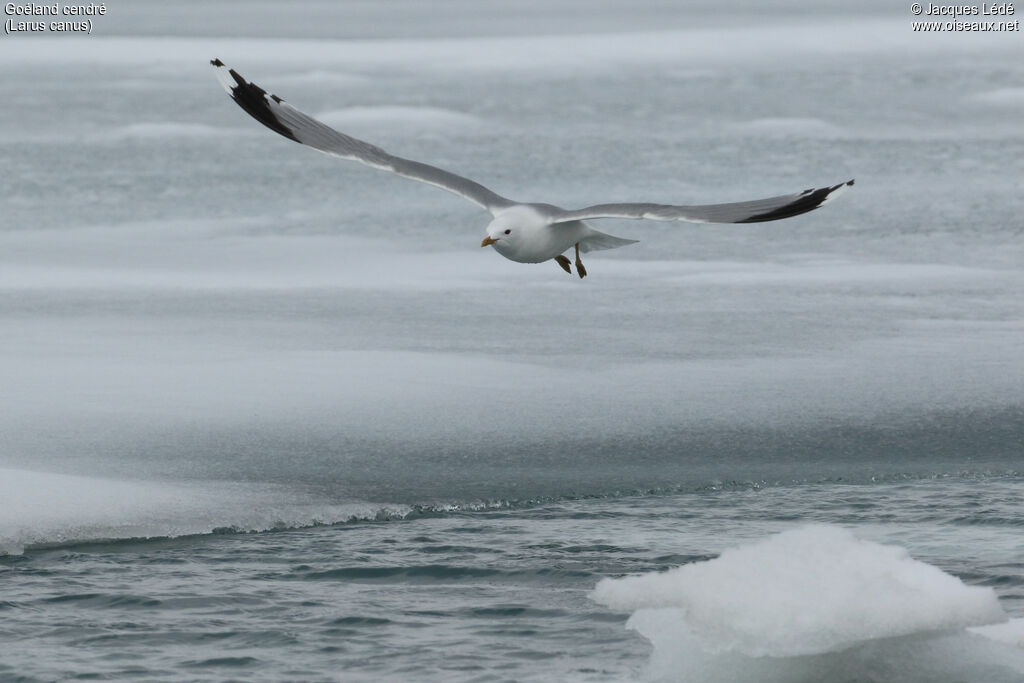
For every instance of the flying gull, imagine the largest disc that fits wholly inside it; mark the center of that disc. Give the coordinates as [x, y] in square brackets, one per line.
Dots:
[526, 232]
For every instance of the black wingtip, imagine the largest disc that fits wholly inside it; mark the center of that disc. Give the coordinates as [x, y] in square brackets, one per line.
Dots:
[808, 200]
[256, 102]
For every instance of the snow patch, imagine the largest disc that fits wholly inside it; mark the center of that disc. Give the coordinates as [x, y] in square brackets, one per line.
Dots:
[789, 127]
[415, 118]
[1002, 97]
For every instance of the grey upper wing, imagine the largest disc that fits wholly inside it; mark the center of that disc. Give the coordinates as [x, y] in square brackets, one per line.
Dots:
[756, 211]
[281, 117]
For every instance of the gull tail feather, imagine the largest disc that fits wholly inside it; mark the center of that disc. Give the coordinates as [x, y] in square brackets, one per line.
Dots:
[598, 241]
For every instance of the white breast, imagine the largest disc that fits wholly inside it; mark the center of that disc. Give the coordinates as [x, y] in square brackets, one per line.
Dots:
[534, 241]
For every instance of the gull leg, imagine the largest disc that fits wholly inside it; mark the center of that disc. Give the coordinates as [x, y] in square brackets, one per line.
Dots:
[564, 262]
[579, 264]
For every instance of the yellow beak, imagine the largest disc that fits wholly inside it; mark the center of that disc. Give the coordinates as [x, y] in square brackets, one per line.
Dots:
[488, 241]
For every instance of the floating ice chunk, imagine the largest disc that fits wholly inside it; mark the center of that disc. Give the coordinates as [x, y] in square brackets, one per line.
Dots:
[929, 657]
[806, 591]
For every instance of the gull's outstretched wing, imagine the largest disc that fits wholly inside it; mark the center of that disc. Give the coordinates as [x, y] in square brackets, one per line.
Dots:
[281, 117]
[756, 211]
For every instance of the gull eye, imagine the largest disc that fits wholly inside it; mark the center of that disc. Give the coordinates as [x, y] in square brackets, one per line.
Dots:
[508, 232]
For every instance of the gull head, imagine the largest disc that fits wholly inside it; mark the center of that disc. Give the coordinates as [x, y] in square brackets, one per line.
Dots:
[519, 233]
[498, 236]
[502, 233]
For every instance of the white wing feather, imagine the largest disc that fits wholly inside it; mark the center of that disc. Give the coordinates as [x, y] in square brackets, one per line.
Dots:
[756, 211]
[283, 118]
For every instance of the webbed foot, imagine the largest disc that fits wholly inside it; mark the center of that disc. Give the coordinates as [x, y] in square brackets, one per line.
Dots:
[579, 264]
[564, 262]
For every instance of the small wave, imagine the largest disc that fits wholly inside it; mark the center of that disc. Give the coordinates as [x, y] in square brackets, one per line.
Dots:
[223, 662]
[102, 600]
[429, 573]
[360, 621]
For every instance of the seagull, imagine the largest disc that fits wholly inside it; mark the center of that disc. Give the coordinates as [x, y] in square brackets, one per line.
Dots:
[526, 232]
